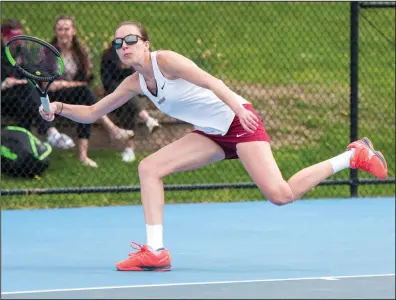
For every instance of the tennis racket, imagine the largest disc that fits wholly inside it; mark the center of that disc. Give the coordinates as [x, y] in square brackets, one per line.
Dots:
[36, 60]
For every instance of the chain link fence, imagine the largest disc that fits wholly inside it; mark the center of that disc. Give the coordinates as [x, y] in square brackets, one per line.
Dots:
[291, 60]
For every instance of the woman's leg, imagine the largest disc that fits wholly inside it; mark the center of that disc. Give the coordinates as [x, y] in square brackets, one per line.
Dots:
[114, 131]
[260, 164]
[190, 152]
[83, 153]
[144, 115]
[83, 96]
[80, 96]
[126, 116]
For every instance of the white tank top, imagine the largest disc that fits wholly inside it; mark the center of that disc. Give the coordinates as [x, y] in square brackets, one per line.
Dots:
[190, 103]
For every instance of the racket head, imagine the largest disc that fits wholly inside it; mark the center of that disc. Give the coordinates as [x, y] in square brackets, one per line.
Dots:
[34, 58]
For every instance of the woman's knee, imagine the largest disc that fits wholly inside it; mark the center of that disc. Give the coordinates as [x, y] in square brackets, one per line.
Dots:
[154, 166]
[280, 194]
[147, 168]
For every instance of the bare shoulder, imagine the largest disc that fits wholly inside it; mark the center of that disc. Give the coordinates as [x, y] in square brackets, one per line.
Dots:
[168, 61]
[164, 57]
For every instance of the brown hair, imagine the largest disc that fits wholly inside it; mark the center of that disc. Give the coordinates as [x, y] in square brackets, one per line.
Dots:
[80, 54]
[140, 26]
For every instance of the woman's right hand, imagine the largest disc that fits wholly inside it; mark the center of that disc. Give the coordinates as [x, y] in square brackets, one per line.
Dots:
[49, 116]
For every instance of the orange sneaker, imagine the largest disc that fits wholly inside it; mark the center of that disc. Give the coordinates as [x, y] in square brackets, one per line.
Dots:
[367, 159]
[145, 260]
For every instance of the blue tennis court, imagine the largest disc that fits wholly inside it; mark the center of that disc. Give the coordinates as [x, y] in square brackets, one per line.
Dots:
[330, 248]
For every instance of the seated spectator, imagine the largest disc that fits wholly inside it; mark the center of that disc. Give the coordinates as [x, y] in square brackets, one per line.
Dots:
[72, 87]
[20, 100]
[113, 72]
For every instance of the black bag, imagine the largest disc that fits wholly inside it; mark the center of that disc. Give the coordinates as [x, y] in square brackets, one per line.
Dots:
[23, 154]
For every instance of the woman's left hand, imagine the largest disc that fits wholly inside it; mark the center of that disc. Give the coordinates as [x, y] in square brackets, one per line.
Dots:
[249, 120]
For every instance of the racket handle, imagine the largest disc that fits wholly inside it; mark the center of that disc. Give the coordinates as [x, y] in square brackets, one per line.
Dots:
[46, 104]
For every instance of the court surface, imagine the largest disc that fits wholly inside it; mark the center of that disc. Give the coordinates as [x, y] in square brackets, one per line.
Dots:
[331, 248]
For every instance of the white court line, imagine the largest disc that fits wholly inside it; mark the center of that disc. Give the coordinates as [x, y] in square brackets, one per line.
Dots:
[193, 283]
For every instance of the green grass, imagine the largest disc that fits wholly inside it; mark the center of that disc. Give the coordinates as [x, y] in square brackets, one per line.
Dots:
[290, 59]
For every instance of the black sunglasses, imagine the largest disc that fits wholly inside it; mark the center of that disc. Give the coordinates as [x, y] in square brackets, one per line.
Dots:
[129, 39]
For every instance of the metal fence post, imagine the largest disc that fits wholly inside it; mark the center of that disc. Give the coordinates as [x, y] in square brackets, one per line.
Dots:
[354, 90]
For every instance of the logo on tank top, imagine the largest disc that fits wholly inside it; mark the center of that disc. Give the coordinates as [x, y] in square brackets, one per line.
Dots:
[162, 100]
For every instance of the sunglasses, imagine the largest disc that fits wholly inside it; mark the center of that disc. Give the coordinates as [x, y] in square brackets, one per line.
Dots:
[129, 39]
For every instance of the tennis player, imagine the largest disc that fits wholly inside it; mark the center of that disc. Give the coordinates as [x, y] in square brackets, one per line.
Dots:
[226, 127]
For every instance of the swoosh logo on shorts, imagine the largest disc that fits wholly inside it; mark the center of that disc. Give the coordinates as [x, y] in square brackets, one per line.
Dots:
[239, 135]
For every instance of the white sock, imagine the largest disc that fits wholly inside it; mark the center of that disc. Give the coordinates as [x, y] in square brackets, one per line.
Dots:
[155, 236]
[342, 161]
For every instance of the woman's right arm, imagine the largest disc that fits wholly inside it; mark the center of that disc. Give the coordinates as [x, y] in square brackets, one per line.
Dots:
[89, 114]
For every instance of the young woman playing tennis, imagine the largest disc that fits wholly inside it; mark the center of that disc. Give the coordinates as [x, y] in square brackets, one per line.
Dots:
[227, 127]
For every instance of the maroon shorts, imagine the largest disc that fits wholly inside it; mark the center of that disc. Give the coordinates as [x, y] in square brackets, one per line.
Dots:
[236, 134]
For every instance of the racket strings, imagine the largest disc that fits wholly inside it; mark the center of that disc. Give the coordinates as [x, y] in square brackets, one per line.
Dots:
[35, 58]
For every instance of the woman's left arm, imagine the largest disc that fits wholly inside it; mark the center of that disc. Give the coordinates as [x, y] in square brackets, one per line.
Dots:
[174, 65]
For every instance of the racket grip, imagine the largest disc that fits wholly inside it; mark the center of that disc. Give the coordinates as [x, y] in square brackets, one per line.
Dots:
[46, 105]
